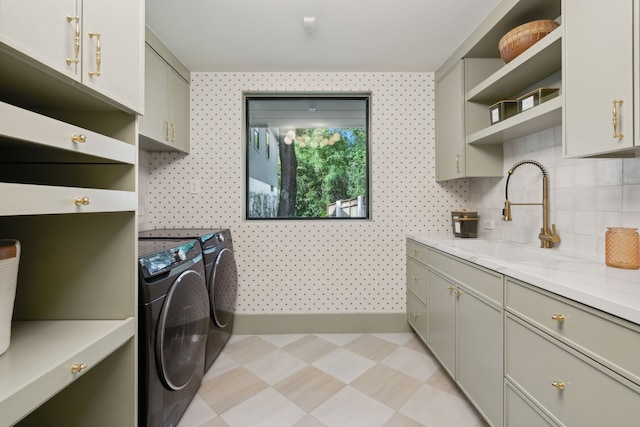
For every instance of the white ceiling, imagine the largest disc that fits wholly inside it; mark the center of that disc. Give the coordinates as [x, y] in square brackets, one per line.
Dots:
[349, 35]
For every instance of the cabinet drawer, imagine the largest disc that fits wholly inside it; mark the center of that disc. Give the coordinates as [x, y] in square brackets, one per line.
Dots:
[592, 395]
[417, 251]
[417, 315]
[519, 412]
[51, 134]
[483, 281]
[605, 338]
[417, 279]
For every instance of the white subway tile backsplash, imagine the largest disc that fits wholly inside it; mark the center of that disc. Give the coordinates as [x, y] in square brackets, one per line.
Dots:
[631, 171]
[586, 195]
[631, 198]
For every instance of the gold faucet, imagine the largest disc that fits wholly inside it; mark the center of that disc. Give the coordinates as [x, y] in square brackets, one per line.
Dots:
[548, 237]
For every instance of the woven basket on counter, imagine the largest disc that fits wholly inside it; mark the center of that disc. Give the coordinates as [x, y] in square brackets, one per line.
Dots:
[523, 37]
[9, 259]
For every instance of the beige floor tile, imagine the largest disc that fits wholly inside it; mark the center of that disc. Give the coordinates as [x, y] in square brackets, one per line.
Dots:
[309, 421]
[387, 385]
[399, 420]
[371, 347]
[310, 348]
[230, 388]
[417, 345]
[249, 349]
[216, 422]
[441, 380]
[309, 387]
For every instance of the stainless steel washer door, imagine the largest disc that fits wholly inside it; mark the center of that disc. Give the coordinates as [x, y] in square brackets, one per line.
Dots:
[182, 330]
[224, 281]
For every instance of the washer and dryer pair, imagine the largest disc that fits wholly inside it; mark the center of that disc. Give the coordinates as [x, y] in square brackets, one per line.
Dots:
[188, 287]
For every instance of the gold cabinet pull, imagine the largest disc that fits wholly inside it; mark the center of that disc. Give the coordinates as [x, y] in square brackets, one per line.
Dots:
[458, 163]
[76, 42]
[165, 129]
[78, 138]
[458, 292]
[616, 119]
[96, 73]
[78, 367]
[173, 132]
[416, 315]
[558, 318]
[558, 385]
[451, 288]
[84, 201]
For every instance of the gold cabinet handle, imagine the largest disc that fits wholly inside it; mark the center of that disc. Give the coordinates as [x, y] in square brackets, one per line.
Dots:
[78, 138]
[451, 288]
[78, 367]
[173, 132]
[558, 385]
[415, 252]
[98, 55]
[165, 129]
[76, 42]
[616, 119]
[458, 163]
[84, 201]
[458, 292]
[416, 315]
[558, 318]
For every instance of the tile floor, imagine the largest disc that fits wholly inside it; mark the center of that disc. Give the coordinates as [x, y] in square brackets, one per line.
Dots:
[332, 380]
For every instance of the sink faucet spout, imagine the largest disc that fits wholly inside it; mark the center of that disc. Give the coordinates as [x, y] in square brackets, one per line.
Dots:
[548, 236]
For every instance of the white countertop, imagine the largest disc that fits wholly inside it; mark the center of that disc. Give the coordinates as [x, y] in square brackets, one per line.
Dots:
[583, 279]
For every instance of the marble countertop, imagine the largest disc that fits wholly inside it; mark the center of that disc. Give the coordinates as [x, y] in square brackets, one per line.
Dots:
[583, 279]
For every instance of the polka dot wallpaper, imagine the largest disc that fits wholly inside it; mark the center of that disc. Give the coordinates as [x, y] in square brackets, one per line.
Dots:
[309, 266]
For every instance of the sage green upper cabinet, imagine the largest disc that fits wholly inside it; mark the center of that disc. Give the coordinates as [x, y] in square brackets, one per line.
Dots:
[165, 124]
[49, 38]
[455, 118]
[598, 50]
[474, 77]
[78, 39]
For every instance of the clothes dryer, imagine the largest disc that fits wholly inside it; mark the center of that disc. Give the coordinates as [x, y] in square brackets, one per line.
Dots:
[172, 328]
[222, 280]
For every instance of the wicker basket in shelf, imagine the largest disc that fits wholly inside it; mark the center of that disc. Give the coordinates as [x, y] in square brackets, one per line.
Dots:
[523, 37]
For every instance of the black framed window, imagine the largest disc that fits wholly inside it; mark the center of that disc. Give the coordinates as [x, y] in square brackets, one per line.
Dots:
[322, 146]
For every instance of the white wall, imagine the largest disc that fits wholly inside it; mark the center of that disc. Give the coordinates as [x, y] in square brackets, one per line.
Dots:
[310, 266]
[586, 195]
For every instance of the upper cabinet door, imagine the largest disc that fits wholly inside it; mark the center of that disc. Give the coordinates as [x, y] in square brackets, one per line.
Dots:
[113, 50]
[598, 77]
[45, 31]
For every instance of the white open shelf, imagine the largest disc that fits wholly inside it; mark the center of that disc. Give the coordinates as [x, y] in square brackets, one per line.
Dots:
[38, 363]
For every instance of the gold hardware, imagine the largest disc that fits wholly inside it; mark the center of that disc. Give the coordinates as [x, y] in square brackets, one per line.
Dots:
[173, 132]
[548, 235]
[616, 118]
[78, 138]
[76, 42]
[415, 252]
[78, 367]
[559, 385]
[451, 288]
[98, 55]
[165, 130]
[458, 163]
[415, 315]
[458, 292]
[558, 318]
[84, 201]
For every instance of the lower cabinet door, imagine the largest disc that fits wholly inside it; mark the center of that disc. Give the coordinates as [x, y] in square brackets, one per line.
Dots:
[441, 320]
[417, 315]
[479, 348]
[519, 412]
[572, 388]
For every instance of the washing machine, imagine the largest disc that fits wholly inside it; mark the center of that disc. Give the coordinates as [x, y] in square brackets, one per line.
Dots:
[222, 279]
[172, 328]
